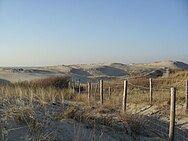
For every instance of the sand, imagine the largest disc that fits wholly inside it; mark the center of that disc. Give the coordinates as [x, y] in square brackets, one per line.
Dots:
[90, 72]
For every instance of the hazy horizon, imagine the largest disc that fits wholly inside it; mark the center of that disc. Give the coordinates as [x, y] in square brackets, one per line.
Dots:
[39, 66]
[48, 33]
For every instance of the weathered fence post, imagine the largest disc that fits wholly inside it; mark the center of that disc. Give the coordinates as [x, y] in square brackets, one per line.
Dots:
[91, 88]
[96, 88]
[125, 96]
[101, 92]
[89, 91]
[79, 87]
[73, 87]
[151, 91]
[172, 114]
[109, 91]
[186, 97]
[69, 85]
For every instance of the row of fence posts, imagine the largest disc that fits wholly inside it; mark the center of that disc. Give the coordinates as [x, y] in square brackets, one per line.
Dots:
[73, 84]
[125, 92]
[124, 102]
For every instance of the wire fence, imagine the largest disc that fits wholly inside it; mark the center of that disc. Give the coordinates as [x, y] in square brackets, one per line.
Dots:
[139, 93]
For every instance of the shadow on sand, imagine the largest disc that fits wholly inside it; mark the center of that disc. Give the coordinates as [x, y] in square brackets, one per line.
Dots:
[161, 128]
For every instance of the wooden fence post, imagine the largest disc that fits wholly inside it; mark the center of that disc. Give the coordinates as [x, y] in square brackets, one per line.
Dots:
[151, 91]
[125, 96]
[109, 91]
[91, 88]
[89, 91]
[172, 114]
[186, 97]
[69, 85]
[79, 87]
[73, 87]
[101, 92]
[96, 88]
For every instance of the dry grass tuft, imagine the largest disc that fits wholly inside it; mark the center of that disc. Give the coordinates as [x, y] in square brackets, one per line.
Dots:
[70, 112]
[24, 115]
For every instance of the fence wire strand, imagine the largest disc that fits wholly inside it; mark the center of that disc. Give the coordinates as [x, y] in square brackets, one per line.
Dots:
[153, 123]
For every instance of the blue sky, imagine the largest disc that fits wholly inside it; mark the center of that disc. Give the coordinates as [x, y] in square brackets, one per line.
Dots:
[52, 32]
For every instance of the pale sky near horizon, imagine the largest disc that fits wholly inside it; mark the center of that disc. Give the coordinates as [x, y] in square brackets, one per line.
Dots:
[55, 32]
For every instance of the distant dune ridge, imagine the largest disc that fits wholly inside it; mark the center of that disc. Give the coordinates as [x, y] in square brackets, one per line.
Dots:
[90, 72]
[169, 64]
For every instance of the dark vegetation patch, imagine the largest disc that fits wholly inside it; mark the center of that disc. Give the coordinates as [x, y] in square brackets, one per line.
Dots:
[60, 82]
[4, 82]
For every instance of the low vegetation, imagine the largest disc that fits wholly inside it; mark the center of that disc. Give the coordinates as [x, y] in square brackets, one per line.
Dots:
[59, 82]
[36, 109]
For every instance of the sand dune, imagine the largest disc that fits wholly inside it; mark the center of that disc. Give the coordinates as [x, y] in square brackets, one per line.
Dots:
[88, 72]
[164, 64]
